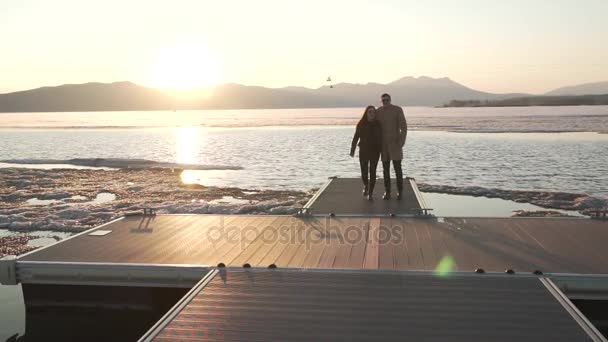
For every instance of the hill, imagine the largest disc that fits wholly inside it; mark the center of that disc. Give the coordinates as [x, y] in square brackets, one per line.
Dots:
[596, 88]
[119, 96]
[86, 97]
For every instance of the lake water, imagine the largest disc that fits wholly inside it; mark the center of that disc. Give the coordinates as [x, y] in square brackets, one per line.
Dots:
[488, 119]
[302, 157]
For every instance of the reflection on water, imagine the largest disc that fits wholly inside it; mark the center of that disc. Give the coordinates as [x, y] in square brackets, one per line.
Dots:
[446, 205]
[102, 197]
[48, 312]
[12, 311]
[186, 145]
[303, 157]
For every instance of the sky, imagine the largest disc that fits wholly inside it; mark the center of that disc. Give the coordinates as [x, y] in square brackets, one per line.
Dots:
[499, 46]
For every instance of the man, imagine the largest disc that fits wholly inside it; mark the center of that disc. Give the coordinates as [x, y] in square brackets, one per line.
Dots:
[394, 133]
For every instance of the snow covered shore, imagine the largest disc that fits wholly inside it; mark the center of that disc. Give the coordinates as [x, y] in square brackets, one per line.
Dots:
[68, 199]
[72, 200]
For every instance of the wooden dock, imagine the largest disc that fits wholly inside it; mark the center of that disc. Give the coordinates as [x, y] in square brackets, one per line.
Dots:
[309, 305]
[343, 196]
[551, 245]
[330, 275]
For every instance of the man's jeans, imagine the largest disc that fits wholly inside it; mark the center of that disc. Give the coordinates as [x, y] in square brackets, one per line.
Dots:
[386, 169]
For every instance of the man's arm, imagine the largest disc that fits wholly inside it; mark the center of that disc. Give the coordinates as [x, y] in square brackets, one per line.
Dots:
[402, 126]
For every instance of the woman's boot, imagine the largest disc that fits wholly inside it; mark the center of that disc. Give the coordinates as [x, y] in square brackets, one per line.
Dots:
[370, 193]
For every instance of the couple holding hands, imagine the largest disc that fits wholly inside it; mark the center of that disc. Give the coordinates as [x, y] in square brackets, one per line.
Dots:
[380, 134]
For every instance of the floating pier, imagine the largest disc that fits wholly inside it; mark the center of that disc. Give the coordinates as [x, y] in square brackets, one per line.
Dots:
[342, 196]
[266, 276]
[313, 305]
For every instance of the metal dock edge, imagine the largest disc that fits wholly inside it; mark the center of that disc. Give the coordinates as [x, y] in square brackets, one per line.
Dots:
[582, 321]
[306, 208]
[178, 307]
[109, 274]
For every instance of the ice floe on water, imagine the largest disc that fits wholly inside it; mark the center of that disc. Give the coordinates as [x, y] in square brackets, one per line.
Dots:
[118, 163]
[72, 200]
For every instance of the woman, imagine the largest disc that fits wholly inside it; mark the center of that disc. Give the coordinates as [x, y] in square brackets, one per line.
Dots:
[369, 136]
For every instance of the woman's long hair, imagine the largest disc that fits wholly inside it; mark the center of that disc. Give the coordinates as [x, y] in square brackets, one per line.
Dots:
[364, 120]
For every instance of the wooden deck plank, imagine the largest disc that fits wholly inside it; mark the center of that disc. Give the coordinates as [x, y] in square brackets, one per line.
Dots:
[590, 239]
[400, 250]
[287, 305]
[359, 238]
[293, 243]
[343, 196]
[480, 243]
[147, 249]
[539, 252]
[426, 246]
[239, 248]
[412, 245]
[551, 245]
[334, 242]
[254, 251]
[315, 251]
[202, 242]
[311, 236]
[556, 244]
[464, 255]
[285, 229]
[246, 233]
[527, 244]
[372, 245]
[442, 250]
[186, 241]
[233, 233]
[352, 234]
[386, 247]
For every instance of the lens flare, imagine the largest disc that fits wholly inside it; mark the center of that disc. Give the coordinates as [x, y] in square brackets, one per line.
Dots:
[445, 266]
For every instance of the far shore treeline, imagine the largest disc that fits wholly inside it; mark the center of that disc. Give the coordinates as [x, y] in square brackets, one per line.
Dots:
[580, 100]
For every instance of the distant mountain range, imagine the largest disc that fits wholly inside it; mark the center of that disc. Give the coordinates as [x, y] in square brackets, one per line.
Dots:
[595, 88]
[123, 96]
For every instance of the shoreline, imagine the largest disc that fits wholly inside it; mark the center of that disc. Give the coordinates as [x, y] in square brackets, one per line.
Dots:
[431, 128]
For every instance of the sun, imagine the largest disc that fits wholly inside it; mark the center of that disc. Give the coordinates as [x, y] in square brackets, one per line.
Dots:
[182, 67]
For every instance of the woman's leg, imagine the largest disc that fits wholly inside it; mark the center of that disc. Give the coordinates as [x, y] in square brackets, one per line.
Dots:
[373, 164]
[364, 170]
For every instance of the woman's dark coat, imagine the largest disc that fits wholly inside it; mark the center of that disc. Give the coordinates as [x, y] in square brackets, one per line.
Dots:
[369, 136]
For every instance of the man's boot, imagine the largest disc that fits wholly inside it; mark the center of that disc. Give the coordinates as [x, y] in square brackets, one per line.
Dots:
[370, 193]
[399, 176]
[387, 189]
[399, 189]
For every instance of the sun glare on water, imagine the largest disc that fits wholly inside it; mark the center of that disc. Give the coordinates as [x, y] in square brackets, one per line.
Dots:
[182, 67]
[187, 145]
